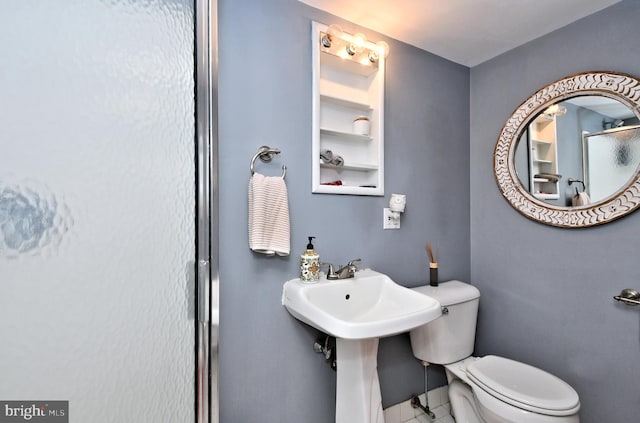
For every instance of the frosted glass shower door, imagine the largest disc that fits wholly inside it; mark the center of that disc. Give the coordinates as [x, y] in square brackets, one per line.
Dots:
[611, 159]
[97, 199]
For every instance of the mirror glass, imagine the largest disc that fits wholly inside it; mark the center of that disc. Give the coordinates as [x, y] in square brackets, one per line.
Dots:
[569, 156]
[579, 151]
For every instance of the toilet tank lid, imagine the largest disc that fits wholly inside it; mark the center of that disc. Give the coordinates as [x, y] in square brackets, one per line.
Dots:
[450, 293]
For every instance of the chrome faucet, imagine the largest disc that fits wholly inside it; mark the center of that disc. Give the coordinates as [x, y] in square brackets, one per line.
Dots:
[344, 272]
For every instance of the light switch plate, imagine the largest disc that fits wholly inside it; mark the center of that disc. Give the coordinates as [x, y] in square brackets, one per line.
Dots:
[390, 222]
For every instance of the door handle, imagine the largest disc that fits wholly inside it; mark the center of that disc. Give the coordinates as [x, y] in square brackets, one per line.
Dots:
[204, 278]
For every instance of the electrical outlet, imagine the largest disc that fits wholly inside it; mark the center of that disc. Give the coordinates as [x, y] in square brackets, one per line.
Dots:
[389, 221]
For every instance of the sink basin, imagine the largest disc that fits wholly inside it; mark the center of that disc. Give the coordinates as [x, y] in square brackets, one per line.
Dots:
[358, 311]
[370, 305]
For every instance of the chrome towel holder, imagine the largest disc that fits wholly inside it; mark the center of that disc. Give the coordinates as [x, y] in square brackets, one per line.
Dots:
[628, 296]
[577, 181]
[265, 154]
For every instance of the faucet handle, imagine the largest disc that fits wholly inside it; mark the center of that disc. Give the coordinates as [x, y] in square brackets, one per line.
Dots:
[331, 272]
[352, 263]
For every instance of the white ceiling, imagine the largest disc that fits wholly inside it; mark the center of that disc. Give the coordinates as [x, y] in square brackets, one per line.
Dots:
[603, 105]
[468, 32]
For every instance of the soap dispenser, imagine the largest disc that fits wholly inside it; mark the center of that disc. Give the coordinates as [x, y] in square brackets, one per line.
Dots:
[310, 264]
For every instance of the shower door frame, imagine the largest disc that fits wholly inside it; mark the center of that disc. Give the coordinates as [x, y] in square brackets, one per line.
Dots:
[206, 99]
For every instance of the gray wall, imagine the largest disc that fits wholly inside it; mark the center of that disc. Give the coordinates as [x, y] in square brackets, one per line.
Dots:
[268, 370]
[546, 292]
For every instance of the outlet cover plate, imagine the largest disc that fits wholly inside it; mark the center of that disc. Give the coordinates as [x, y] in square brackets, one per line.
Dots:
[389, 221]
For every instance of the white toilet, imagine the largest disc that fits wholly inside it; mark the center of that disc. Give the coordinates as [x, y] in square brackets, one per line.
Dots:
[490, 389]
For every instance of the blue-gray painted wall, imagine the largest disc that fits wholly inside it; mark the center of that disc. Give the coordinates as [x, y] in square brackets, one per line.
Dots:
[547, 292]
[268, 370]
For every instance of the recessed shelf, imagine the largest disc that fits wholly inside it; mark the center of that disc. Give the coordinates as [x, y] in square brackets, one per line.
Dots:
[549, 143]
[543, 159]
[350, 166]
[345, 102]
[345, 135]
[347, 189]
[345, 89]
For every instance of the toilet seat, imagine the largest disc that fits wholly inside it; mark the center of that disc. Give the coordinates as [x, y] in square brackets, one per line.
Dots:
[524, 386]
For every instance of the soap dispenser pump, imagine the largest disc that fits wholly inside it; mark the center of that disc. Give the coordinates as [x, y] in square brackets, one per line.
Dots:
[310, 264]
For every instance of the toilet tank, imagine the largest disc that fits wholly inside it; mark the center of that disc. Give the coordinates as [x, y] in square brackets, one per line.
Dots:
[450, 337]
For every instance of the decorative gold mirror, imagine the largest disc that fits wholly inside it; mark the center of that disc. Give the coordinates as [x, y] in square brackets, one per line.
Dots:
[569, 156]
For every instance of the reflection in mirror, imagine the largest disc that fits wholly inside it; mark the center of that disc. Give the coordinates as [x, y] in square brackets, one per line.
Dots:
[578, 151]
[539, 163]
[610, 159]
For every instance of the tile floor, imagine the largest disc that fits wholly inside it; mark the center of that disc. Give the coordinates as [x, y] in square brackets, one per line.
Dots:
[438, 403]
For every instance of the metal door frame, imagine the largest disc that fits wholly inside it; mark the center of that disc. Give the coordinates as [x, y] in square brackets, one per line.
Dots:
[206, 97]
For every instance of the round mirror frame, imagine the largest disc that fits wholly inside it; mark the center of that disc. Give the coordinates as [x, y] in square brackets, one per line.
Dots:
[618, 86]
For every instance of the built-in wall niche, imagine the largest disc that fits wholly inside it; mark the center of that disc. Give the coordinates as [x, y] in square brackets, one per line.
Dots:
[543, 163]
[348, 113]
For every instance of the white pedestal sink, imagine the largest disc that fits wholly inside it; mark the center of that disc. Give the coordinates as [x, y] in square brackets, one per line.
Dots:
[358, 311]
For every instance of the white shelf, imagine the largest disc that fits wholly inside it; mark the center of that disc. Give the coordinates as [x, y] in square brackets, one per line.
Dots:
[549, 143]
[345, 103]
[345, 135]
[351, 166]
[347, 189]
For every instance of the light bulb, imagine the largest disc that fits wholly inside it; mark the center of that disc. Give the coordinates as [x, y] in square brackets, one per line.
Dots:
[551, 109]
[325, 40]
[359, 40]
[335, 34]
[381, 49]
[356, 45]
[555, 110]
[343, 53]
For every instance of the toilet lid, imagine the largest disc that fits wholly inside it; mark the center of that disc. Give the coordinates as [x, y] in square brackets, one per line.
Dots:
[524, 386]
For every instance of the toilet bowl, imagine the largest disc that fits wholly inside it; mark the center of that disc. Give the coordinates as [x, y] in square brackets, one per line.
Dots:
[488, 389]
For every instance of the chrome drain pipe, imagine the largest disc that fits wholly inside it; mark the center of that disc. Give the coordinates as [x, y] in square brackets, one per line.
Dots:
[327, 350]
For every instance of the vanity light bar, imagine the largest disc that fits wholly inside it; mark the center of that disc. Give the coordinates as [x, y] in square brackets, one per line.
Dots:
[352, 47]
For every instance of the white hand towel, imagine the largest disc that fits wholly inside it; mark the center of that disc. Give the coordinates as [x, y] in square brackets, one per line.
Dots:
[580, 199]
[268, 215]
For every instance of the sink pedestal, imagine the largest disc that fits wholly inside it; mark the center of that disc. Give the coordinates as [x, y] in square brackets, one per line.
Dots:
[358, 311]
[358, 397]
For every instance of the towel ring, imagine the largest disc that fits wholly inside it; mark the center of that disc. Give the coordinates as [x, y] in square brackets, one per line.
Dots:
[577, 181]
[265, 154]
